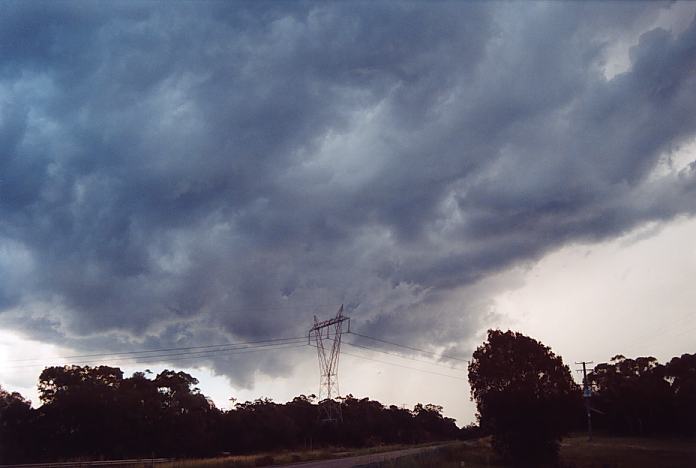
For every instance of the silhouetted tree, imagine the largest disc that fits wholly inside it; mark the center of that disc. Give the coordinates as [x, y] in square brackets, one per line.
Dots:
[16, 439]
[642, 397]
[523, 392]
[433, 424]
[524, 395]
[682, 373]
[187, 415]
[80, 414]
[471, 431]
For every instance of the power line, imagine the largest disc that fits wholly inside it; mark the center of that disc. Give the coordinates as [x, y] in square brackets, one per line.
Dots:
[405, 357]
[183, 348]
[656, 338]
[665, 329]
[652, 344]
[405, 367]
[369, 348]
[412, 348]
[190, 354]
[298, 307]
[204, 351]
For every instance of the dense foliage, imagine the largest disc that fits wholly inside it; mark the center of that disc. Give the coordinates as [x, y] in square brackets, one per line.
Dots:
[94, 412]
[525, 396]
[643, 397]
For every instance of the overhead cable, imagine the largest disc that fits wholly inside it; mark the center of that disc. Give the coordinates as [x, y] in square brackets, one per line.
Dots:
[412, 348]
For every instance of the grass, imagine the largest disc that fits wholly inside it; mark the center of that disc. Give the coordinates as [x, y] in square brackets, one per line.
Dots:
[620, 452]
[576, 452]
[280, 457]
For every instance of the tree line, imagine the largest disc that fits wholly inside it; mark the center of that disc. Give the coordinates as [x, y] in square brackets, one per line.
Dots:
[643, 397]
[526, 399]
[97, 413]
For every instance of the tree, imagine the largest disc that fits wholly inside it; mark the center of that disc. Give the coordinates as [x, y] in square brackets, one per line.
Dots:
[434, 425]
[96, 413]
[525, 397]
[641, 396]
[633, 395]
[80, 410]
[187, 416]
[15, 437]
[682, 372]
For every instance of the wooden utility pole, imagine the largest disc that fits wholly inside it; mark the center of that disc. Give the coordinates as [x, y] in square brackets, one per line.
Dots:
[586, 394]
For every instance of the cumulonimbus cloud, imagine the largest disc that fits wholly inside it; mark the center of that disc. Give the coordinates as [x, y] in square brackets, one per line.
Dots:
[193, 172]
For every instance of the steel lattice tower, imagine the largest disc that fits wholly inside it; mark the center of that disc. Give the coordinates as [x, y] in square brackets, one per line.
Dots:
[330, 410]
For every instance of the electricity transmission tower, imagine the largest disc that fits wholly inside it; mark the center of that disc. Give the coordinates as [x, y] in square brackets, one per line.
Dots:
[330, 410]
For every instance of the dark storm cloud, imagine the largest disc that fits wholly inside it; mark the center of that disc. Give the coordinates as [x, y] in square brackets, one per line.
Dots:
[188, 173]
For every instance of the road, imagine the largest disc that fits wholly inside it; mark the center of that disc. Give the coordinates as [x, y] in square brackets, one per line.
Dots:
[359, 460]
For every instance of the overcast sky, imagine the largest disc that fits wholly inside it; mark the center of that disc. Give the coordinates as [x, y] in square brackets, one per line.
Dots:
[183, 174]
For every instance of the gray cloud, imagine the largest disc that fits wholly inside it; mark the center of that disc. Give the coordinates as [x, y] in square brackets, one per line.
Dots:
[188, 173]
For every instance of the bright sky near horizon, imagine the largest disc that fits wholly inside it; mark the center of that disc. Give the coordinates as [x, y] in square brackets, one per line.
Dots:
[172, 179]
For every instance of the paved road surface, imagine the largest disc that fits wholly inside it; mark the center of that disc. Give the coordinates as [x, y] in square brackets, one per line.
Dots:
[359, 460]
